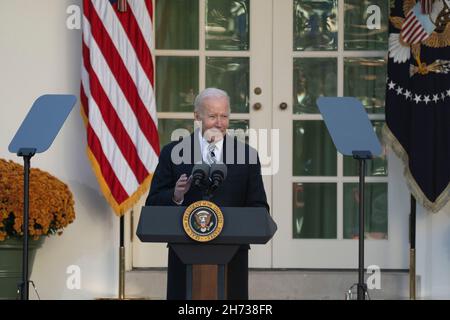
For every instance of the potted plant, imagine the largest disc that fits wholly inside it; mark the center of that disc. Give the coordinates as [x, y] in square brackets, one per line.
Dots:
[51, 210]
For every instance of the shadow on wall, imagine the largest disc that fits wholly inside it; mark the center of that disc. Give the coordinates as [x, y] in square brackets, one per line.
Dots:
[91, 198]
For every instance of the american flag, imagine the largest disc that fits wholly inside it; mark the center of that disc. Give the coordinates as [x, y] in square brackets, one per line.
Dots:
[417, 26]
[118, 101]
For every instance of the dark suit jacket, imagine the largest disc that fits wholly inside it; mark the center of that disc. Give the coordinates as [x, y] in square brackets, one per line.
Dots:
[243, 187]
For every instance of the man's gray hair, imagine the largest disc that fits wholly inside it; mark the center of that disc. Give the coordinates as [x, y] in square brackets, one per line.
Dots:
[210, 93]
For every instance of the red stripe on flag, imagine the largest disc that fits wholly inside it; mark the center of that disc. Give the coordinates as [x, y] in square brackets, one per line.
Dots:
[125, 81]
[117, 129]
[137, 40]
[408, 21]
[114, 185]
[418, 37]
[410, 27]
[423, 36]
[114, 124]
[415, 33]
[113, 67]
[412, 32]
[149, 5]
[409, 18]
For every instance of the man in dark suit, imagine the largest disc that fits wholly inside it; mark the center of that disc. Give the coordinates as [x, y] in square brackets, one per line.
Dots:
[243, 186]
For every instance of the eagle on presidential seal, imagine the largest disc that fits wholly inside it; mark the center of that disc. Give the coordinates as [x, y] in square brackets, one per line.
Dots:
[203, 220]
[425, 23]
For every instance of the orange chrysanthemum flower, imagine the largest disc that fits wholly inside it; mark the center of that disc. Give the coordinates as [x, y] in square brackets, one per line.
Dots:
[51, 202]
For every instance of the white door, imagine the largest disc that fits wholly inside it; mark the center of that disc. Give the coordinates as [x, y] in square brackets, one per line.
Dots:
[210, 43]
[325, 48]
[292, 51]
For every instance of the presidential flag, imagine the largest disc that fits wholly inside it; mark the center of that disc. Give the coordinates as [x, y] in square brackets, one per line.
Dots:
[118, 101]
[418, 97]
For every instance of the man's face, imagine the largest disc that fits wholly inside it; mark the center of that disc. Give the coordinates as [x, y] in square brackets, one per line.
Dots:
[214, 117]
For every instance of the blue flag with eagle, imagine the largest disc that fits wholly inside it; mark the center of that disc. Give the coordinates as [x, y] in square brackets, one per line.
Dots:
[418, 96]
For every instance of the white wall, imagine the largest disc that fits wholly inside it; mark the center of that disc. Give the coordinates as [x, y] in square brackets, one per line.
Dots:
[433, 253]
[39, 55]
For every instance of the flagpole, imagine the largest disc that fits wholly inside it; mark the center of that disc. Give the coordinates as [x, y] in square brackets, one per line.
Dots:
[122, 261]
[122, 7]
[412, 249]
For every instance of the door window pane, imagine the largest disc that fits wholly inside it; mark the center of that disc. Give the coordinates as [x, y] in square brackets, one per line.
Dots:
[376, 216]
[176, 83]
[176, 24]
[231, 75]
[365, 79]
[167, 126]
[239, 128]
[314, 211]
[315, 25]
[313, 77]
[313, 150]
[375, 167]
[227, 25]
[363, 30]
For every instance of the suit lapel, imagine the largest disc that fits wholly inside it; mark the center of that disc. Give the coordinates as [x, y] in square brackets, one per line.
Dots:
[224, 149]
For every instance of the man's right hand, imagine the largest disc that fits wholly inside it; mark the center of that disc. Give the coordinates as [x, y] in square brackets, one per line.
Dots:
[181, 187]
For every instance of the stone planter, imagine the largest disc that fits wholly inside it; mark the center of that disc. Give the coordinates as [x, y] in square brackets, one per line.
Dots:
[11, 265]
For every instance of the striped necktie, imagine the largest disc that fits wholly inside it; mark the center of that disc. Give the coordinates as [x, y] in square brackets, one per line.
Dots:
[210, 155]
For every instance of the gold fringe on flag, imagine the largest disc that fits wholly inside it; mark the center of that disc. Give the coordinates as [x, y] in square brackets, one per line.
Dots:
[444, 197]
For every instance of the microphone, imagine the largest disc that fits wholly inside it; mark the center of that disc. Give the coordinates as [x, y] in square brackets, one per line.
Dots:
[200, 174]
[218, 174]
